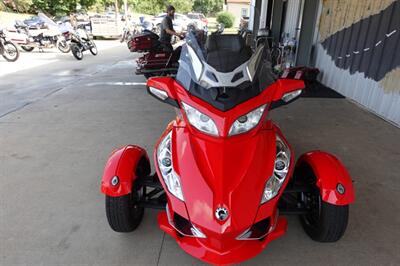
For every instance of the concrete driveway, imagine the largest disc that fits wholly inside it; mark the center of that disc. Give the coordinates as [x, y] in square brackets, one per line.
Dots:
[60, 121]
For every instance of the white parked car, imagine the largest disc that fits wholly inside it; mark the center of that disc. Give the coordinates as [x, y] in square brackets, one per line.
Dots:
[180, 22]
[199, 20]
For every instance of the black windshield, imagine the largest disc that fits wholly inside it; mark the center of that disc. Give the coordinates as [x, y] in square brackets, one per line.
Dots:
[223, 71]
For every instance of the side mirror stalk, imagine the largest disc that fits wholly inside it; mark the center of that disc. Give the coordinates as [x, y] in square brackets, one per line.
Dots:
[162, 88]
[159, 95]
[287, 91]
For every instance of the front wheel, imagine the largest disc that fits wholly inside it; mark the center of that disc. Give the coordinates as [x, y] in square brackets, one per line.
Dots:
[63, 46]
[123, 37]
[324, 222]
[330, 225]
[27, 48]
[124, 213]
[77, 51]
[93, 48]
[10, 52]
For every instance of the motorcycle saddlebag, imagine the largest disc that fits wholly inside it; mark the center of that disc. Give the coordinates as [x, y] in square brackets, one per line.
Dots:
[143, 42]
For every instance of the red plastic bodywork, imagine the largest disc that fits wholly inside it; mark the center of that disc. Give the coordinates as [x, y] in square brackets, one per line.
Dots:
[330, 172]
[122, 163]
[225, 171]
[244, 249]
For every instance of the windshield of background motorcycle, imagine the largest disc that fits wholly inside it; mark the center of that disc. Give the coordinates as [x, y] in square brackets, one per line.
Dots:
[193, 66]
[47, 20]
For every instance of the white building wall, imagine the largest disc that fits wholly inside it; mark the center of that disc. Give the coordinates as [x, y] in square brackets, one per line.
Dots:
[292, 17]
[236, 10]
[263, 14]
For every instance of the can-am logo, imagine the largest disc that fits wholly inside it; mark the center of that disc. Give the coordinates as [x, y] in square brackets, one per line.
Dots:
[221, 213]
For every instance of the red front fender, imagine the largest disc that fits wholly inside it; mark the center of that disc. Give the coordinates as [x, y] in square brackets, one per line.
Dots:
[123, 163]
[329, 172]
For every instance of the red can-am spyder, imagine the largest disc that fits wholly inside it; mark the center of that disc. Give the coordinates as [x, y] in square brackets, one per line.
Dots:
[225, 173]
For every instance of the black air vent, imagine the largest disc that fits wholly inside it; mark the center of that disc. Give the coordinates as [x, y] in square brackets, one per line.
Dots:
[211, 76]
[237, 76]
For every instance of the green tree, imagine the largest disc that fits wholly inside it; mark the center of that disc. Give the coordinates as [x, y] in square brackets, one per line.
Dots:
[61, 7]
[181, 6]
[17, 5]
[208, 7]
[158, 6]
[226, 18]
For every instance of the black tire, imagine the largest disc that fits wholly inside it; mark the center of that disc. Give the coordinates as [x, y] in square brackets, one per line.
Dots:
[148, 75]
[27, 48]
[123, 37]
[77, 51]
[325, 222]
[123, 213]
[63, 46]
[93, 48]
[10, 52]
[330, 226]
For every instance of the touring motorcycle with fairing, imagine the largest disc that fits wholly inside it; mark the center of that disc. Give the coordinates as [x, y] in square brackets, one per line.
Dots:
[225, 175]
[52, 35]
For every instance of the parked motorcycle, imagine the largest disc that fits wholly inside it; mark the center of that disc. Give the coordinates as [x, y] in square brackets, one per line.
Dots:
[157, 60]
[224, 172]
[130, 31]
[52, 36]
[8, 49]
[80, 42]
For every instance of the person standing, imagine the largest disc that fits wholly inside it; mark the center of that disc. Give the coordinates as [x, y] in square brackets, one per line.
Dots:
[167, 29]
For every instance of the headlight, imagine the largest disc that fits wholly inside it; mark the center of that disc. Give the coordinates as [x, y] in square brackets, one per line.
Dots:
[164, 159]
[199, 120]
[247, 122]
[281, 169]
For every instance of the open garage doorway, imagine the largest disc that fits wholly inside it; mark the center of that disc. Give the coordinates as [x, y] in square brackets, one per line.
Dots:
[290, 21]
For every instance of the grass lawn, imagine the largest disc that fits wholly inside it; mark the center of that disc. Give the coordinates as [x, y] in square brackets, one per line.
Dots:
[212, 26]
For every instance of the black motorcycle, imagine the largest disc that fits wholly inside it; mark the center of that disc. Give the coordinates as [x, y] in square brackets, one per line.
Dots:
[7, 49]
[80, 42]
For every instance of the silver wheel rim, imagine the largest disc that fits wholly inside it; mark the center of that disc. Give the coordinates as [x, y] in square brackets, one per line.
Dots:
[10, 51]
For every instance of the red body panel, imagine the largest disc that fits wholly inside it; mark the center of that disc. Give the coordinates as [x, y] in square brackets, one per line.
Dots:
[227, 171]
[243, 250]
[122, 163]
[163, 83]
[329, 172]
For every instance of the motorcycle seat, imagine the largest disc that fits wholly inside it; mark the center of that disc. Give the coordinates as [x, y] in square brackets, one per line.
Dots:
[225, 52]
